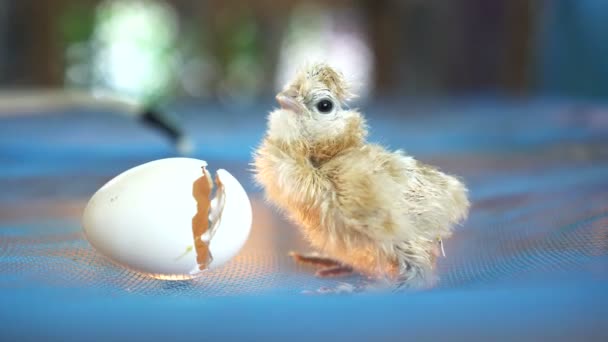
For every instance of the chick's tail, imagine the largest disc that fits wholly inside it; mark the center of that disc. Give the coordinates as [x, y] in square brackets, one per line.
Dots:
[459, 200]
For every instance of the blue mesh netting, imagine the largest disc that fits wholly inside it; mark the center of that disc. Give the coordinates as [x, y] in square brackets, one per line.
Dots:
[533, 254]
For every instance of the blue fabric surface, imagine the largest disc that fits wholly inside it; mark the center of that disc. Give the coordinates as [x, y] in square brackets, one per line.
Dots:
[530, 263]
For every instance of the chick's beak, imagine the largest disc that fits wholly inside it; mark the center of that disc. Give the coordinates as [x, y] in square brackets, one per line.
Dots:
[288, 103]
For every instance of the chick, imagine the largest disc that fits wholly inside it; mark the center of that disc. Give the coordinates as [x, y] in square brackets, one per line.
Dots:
[378, 212]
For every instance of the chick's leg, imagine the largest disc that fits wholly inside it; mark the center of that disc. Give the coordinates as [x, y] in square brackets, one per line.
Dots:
[328, 267]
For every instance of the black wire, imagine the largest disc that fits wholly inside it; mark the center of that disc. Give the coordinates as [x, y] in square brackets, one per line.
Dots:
[158, 119]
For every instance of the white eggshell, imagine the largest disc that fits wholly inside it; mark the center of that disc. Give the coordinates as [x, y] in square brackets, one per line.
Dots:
[142, 219]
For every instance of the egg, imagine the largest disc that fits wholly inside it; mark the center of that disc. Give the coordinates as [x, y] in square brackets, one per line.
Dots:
[160, 219]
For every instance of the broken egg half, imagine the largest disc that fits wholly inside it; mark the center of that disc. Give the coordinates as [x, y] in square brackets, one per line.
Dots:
[169, 218]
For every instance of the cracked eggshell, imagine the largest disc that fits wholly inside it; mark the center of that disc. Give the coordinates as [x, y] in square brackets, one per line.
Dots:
[144, 219]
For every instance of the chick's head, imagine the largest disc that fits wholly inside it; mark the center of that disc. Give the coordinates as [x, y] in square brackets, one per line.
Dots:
[313, 112]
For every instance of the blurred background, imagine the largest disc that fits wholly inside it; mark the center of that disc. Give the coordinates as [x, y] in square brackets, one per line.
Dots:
[237, 51]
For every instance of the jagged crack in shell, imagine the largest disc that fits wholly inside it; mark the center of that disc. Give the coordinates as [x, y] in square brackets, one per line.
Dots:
[208, 217]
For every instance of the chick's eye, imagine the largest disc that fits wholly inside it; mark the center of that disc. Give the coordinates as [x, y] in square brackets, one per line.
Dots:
[325, 106]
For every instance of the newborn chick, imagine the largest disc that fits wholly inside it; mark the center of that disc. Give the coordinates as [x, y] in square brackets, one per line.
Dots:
[378, 212]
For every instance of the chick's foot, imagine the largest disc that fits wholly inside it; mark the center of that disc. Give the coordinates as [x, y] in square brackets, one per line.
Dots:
[335, 271]
[328, 267]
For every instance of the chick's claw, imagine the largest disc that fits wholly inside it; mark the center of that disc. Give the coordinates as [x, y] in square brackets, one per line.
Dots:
[335, 271]
[328, 267]
[314, 260]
